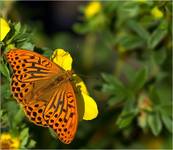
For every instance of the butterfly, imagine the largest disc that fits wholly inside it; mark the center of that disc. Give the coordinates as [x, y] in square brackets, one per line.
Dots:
[45, 91]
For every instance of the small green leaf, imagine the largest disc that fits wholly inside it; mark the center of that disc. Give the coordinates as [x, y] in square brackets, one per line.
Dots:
[166, 109]
[139, 29]
[160, 56]
[27, 45]
[139, 79]
[114, 86]
[80, 28]
[18, 117]
[24, 142]
[24, 136]
[115, 100]
[1, 112]
[52, 132]
[167, 122]
[5, 91]
[12, 108]
[156, 37]
[130, 42]
[154, 95]
[125, 121]
[31, 144]
[154, 122]
[17, 27]
[4, 70]
[127, 115]
[111, 79]
[24, 133]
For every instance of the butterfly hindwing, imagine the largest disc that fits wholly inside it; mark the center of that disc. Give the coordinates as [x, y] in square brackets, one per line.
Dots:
[61, 113]
[34, 112]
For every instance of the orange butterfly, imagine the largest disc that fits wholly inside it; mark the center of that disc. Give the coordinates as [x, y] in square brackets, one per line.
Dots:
[45, 91]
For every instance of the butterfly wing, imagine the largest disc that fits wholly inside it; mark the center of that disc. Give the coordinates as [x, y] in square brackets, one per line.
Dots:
[31, 73]
[30, 66]
[61, 112]
[29, 70]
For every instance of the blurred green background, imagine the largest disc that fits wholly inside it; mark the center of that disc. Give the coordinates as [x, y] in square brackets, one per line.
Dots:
[123, 52]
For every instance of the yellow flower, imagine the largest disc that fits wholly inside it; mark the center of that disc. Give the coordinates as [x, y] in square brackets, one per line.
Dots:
[92, 9]
[87, 104]
[8, 142]
[157, 13]
[4, 28]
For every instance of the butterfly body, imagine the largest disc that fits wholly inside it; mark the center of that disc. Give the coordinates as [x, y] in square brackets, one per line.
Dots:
[45, 91]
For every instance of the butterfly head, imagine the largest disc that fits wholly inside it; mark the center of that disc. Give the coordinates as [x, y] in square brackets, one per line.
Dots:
[67, 75]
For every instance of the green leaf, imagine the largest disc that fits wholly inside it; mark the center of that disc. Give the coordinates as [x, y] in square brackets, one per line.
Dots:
[24, 142]
[123, 122]
[4, 70]
[24, 133]
[139, 79]
[115, 100]
[154, 122]
[17, 27]
[167, 122]
[18, 117]
[31, 144]
[12, 108]
[137, 27]
[130, 42]
[80, 28]
[5, 91]
[156, 37]
[110, 7]
[114, 86]
[154, 95]
[160, 56]
[27, 45]
[166, 109]
[111, 79]
[128, 9]
[24, 136]
[1, 113]
[127, 115]
[52, 132]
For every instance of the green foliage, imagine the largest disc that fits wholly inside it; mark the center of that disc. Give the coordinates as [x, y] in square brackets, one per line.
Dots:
[125, 53]
[140, 42]
[12, 116]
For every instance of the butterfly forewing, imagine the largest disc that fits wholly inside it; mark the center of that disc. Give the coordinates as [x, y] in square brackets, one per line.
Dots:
[30, 66]
[46, 102]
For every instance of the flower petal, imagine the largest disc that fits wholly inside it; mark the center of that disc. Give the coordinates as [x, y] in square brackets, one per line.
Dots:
[90, 107]
[87, 107]
[4, 28]
[15, 143]
[79, 83]
[62, 58]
